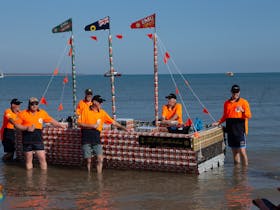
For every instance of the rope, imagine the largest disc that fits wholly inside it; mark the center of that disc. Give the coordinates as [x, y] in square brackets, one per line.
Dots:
[185, 80]
[52, 76]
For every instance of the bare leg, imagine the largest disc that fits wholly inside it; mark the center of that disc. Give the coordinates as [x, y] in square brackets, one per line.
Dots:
[236, 156]
[28, 160]
[88, 164]
[244, 157]
[42, 159]
[99, 164]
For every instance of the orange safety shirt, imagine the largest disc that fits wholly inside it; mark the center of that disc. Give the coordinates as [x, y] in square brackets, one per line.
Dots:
[230, 111]
[9, 114]
[34, 118]
[168, 112]
[82, 105]
[89, 116]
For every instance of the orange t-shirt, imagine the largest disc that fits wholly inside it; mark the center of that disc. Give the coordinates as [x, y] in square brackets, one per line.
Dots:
[89, 116]
[9, 114]
[82, 105]
[230, 111]
[37, 118]
[168, 113]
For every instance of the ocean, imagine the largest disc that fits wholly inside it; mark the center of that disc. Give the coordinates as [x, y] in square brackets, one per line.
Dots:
[227, 187]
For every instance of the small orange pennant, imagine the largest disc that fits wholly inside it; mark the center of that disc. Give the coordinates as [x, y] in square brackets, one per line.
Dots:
[150, 36]
[65, 80]
[70, 52]
[205, 111]
[55, 72]
[119, 36]
[94, 38]
[177, 91]
[70, 41]
[43, 101]
[188, 122]
[60, 107]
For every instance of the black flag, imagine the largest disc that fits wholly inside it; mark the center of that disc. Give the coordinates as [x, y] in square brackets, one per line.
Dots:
[63, 27]
[102, 24]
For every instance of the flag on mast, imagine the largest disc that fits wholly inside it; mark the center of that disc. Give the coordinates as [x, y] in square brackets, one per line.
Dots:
[63, 27]
[147, 22]
[101, 24]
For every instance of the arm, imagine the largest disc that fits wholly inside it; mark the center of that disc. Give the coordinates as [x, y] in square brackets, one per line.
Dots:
[57, 124]
[21, 127]
[115, 123]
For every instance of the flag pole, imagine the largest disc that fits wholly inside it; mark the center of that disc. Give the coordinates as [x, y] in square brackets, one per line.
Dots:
[156, 78]
[74, 86]
[112, 76]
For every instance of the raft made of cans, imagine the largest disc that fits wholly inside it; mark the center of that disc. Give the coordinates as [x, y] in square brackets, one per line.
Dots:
[145, 148]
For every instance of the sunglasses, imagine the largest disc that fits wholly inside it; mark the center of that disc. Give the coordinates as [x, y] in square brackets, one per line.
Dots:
[34, 103]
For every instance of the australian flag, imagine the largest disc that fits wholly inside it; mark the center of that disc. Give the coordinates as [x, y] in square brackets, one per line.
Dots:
[102, 24]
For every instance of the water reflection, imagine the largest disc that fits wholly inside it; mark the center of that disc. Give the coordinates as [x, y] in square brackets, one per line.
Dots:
[239, 196]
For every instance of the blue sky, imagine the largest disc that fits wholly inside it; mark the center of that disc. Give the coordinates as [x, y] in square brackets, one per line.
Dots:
[201, 36]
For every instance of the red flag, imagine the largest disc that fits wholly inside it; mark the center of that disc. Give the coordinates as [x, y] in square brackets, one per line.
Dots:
[65, 80]
[167, 55]
[70, 52]
[94, 38]
[147, 22]
[60, 107]
[165, 60]
[150, 36]
[188, 122]
[70, 41]
[43, 101]
[205, 111]
[177, 91]
[55, 72]
[119, 36]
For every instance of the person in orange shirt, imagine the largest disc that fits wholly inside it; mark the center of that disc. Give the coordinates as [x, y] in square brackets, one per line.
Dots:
[236, 114]
[8, 132]
[172, 111]
[84, 103]
[91, 122]
[33, 117]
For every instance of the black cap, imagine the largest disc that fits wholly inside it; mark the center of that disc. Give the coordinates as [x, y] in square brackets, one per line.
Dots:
[15, 101]
[235, 89]
[171, 95]
[88, 91]
[98, 99]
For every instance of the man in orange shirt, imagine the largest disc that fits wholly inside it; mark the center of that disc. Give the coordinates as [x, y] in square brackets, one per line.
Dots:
[172, 111]
[84, 103]
[91, 122]
[236, 114]
[8, 133]
[33, 117]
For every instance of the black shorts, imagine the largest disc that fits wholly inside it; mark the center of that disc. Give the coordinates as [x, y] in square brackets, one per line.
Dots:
[32, 140]
[33, 147]
[9, 137]
[236, 141]
[90, 136]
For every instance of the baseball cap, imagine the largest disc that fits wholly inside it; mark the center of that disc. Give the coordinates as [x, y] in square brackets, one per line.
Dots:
[33, 99]
[235, 89]
[15, 101]
[171, 95]
[88, 91]
[98, 98]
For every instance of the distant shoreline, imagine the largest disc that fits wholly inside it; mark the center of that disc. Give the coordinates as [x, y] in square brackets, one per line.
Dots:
[84, 74]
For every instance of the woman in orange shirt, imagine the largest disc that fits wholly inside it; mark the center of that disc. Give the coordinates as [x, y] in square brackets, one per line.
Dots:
[33, 118]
